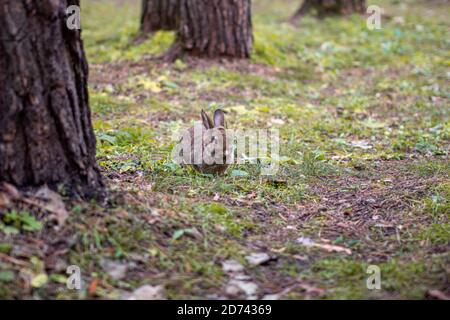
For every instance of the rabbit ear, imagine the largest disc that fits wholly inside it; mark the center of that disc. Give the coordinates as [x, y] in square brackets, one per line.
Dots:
[207, 122]
[219, 118]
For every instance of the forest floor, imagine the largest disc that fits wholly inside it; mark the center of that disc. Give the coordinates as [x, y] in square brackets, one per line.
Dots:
[364, 171]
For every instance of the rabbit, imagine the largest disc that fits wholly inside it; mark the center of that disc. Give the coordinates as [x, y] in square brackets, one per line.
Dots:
[218, 123]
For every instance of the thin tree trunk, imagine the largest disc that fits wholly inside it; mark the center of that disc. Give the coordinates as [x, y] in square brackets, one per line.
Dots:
[159, 15]
[46, 134]
[330, 7]
[214, 28]
[303, 10]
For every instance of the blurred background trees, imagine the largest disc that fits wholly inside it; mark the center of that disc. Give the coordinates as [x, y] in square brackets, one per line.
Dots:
[205, 28]
[216, 28]
[329, 7]
[159, 15]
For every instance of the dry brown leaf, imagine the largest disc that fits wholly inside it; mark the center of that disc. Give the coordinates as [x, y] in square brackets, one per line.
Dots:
[333, 248]
[5, 201]
[53, 203]
[8, 193]
[438, 295]
[10, 190]
[328, 247]
[147, 292]
[257, 258]
[93, 287]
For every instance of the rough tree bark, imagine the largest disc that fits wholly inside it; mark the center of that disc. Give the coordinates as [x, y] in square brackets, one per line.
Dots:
[214, 28]
[46, 134]
[159, 15]
[330, 7]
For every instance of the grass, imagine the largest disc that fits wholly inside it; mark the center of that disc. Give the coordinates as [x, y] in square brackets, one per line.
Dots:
[364, 127]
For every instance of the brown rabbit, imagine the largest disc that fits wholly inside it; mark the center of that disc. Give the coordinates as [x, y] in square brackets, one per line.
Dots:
[206, 139]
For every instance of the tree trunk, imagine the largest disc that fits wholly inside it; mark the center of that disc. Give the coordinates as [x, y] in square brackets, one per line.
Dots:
[159, 15]
[46, 134]
[330, 7]
[214, 28]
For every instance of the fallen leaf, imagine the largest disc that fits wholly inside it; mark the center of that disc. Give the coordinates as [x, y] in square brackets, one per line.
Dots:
[333, 248]
[236, 286]
[114, 269]
[300, 257]
[305, 241]
[148, 292]
[93, 287]
[149, 85]
[384, 225]
[327, 247]
[10, 190]
[53, 203]
[251, 195]
[5, 201]
[311, 289]
[39, 280]
[257, 258]
[361, 144]
[241, 276]
[8, 193]
[438, 295]
[277, 121]
[274, 296]
[232, 266]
